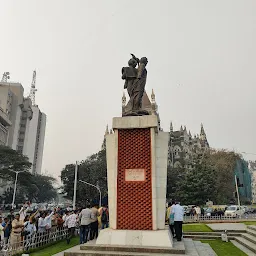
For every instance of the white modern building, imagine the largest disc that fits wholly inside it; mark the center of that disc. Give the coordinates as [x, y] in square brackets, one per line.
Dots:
[34, 142]
[11, 97]
[22, 124]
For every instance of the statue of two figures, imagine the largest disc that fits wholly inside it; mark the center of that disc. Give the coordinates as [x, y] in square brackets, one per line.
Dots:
[135, 81]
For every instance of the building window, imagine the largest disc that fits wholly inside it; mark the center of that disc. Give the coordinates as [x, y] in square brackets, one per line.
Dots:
[20, 149]
[176, 150]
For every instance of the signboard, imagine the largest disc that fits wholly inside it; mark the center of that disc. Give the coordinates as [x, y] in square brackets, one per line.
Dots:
[135, 175]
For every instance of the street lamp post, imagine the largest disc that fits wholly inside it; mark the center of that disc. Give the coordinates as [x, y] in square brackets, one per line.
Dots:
[237, 191]
[75, 186]
[15, 186]
[98, 188]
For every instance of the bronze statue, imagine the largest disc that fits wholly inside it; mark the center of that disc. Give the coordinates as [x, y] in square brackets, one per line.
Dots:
[135, 81]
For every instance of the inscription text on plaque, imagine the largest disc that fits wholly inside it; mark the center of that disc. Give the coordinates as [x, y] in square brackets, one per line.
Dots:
[135, 175]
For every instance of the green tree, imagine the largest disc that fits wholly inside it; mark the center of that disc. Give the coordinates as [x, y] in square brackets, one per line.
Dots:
[175, 176]
[40, 188]
[197, 185]
[12, 160]
[37, 188]
[34, 188]
[223, 162]
[212, 177]
[92, 170]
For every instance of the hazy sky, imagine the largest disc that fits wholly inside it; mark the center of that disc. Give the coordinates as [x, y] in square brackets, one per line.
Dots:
[202, 60]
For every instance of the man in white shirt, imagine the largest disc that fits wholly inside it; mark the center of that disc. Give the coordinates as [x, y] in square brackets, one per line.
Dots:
[44, 222]
[41, 223]
[48, 220]
[178, 212]
[85, 218]
[71, 222]
[23, 212]
[198, 212]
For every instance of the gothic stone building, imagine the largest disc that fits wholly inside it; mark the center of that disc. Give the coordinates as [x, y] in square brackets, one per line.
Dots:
[183, 148]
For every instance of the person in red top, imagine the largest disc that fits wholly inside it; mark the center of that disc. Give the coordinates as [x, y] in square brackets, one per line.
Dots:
[60, 221]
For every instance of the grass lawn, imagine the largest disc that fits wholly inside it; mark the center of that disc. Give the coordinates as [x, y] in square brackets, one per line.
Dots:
[249, 222]
[55, 248]
[224, 248]
[195, 228]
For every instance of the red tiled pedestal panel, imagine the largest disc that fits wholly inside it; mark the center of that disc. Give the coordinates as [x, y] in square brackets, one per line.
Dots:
[134, 180]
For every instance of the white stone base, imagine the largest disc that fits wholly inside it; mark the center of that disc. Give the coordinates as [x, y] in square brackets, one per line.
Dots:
[147, 238]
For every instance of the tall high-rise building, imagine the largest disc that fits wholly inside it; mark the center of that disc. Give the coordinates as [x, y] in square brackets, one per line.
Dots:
[34, 142]
[5, 122]
[11, 98]
[22, 124]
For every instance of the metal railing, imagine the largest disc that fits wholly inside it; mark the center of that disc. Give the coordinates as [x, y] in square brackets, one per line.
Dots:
[204, 218]
[32, 241]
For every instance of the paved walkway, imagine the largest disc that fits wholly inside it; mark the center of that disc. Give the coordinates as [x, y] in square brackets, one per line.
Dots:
[227, 226]
[196, 248]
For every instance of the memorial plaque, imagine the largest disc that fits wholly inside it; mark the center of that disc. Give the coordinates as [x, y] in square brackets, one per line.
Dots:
[135, 175]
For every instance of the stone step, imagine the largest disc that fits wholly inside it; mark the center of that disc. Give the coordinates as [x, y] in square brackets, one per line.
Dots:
[178, 248]
[201, 237]
[251, 246]
[103, 253]
[251, 232]
[190, 247]
[201, 233]
[204, 249]
[249, 237]
[242, 248]
[253, 227]
[210, 233]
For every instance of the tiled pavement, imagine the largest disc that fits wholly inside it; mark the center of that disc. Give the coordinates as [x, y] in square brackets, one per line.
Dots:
[196, 248]
[227, 226]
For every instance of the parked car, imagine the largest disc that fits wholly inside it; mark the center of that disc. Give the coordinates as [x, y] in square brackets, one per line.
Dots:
[234, 211]
[214, 212]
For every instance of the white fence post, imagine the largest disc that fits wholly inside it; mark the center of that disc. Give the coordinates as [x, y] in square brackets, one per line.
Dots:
[33, 241]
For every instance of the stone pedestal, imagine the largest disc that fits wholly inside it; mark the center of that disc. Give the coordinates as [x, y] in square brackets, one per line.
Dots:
[137, 155]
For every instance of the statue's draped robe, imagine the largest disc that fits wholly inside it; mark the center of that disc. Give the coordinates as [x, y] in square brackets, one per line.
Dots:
[129, 74]
[138, 87]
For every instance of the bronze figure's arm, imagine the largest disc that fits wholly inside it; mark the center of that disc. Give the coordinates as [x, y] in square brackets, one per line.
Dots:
[140, 70]
[137, 59]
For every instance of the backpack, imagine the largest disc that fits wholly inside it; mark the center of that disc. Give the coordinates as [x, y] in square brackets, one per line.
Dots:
[104, 216]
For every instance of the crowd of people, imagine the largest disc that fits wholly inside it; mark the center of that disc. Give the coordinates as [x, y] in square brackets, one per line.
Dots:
[27, 225]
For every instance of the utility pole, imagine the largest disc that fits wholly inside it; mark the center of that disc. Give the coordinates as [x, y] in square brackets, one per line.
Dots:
[238, 198]
[15, 186]
[75, 186]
